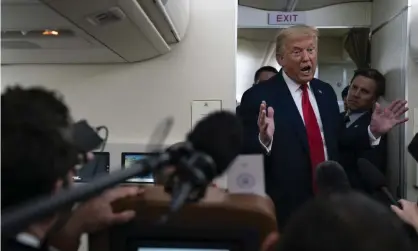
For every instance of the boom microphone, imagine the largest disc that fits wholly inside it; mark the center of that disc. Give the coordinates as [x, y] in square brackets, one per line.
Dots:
[216, 141]
[375, 179]
[218, 135]
[331, 178]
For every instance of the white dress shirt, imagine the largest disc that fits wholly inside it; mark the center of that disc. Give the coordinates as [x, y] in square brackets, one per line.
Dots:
[31, 241]
[296, 93]
[353, 118]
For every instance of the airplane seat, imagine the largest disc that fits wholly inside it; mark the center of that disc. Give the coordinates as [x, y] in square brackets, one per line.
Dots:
[221, 221]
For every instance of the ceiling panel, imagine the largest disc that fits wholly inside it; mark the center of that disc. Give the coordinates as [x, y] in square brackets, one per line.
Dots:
[267, 34]
[29, 15]
[280, 5]
[19, 1]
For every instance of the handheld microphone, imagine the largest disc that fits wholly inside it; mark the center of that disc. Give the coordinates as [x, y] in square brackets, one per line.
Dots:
[375, 179]
[331, 178]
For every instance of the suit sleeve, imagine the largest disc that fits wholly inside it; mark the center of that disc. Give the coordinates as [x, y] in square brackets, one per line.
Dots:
[248, 113]
[377, 155]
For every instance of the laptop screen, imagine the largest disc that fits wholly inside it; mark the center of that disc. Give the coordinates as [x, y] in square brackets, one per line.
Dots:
[128, 159]
[98, 166]
[180, 245]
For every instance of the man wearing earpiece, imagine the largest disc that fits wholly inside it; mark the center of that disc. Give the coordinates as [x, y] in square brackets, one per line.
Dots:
[37, 160]
[367, 86]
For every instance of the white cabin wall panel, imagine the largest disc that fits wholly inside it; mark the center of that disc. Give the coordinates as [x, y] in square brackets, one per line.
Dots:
[383, 10]
[250, 55]
[389, 51]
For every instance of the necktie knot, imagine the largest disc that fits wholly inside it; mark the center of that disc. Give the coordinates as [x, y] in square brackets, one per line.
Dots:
[304, 87]
[346, 119]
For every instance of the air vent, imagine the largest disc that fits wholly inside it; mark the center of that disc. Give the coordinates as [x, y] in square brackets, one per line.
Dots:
[19, 45]
[109, 16]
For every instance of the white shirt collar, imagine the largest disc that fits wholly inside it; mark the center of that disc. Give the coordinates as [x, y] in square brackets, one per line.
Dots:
[354, 117]
[28, 240]
[292, 85]
[31, 241]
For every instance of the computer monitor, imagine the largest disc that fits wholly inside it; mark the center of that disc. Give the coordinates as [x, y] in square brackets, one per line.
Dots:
[129, 158]
[96, 167]
[147, 237]
[176, 246]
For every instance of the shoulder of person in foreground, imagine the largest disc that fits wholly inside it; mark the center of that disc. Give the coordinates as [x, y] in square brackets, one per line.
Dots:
[344, 221]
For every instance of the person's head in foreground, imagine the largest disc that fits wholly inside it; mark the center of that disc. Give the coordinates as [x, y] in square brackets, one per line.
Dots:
[38, 157]
[344, 222]
[296, 52]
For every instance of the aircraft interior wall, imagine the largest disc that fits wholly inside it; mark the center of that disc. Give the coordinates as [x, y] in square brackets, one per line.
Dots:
[412, 126]
[390, 56]
[132, 98]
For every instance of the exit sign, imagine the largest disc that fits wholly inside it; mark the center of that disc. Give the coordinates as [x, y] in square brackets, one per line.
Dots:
[286, 18]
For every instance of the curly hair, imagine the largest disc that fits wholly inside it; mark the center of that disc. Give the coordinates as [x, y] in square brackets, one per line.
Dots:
[35, 151]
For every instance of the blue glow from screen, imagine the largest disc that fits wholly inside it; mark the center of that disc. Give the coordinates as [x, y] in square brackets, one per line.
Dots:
[179, 249]
[130, 159]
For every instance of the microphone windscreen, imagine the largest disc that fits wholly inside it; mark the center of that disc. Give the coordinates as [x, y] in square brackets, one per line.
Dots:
[219, 135]
[331, 177]
[370, 174]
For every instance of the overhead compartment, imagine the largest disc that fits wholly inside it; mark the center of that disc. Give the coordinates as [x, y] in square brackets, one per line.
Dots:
[93, 31]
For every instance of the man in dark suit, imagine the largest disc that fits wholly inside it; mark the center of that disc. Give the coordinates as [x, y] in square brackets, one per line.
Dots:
[294, 119]
[367, 85]
[261, 75]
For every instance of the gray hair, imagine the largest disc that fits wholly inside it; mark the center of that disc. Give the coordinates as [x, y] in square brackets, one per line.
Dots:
[296, 30]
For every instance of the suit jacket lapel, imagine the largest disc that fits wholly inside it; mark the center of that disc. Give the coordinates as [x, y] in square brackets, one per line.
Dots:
[363, 119]
[290, 112]
[326, 118]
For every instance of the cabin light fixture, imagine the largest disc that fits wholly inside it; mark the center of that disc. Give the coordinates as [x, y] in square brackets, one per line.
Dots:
[50, 33]
[44, 33]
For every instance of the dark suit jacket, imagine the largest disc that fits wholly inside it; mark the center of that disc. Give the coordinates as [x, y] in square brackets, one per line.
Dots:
[376, 155]
[288, 169]
[13, 245]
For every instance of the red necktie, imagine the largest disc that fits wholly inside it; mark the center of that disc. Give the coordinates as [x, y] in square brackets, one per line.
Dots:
[316, 146]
